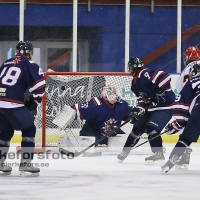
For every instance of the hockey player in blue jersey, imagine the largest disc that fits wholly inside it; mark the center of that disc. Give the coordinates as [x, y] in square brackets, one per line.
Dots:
[191, 57]
[186, 113]
[152, 88]
[102, 114]
[19, 74]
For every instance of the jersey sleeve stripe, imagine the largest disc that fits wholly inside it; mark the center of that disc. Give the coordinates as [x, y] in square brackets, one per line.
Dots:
[97, 101]
[195, 84]
[37, 86]
[164, 81]
[155, 77]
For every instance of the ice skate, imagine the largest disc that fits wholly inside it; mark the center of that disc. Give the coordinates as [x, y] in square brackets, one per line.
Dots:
[165, 168]
[170, 163]
[156, 158]
[184, 161]
[5, 169]
[26, 168]
[121, 157]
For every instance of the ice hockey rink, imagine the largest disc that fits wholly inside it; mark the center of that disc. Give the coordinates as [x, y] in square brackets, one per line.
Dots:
[103, 178]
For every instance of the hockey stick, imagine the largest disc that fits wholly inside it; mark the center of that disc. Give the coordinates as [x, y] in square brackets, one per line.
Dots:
[153, 138]
[72, 154]
[76, 144]
[76, 154]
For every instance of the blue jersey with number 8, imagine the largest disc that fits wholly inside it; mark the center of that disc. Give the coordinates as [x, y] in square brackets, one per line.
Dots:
[18, 74]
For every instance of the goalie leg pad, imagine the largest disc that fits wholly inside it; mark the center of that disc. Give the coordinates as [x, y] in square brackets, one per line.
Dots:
[115, 143]
[65, 117]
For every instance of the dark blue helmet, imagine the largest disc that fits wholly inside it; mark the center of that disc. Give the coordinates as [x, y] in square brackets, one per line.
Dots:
[135, 64]
[25, 48]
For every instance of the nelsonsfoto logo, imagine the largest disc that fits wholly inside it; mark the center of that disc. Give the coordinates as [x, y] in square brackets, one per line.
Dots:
[153, 123]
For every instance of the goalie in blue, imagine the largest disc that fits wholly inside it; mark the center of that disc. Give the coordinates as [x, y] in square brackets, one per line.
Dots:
[152, 89]
[103, 114]
[19, 75]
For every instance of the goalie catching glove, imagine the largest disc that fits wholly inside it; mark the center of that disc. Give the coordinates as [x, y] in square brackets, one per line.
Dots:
[65, 117]
[172, 128]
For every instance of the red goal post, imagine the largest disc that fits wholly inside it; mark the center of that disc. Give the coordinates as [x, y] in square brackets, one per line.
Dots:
[70, 88]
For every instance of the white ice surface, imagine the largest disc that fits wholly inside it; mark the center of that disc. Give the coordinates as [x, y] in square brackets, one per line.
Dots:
[103, 178]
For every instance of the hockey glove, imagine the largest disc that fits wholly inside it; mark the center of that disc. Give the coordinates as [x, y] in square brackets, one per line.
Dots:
[137, 113]
[30, 103]
[155, 102]
[172, 128]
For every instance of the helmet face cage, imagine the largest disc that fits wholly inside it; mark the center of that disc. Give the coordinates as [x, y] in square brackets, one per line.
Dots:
[109, 93]
[135, 63]
[25, 48]
[194, 71]
[192, 53]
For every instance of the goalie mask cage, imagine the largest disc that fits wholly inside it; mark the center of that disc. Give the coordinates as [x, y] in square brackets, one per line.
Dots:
[70, 88]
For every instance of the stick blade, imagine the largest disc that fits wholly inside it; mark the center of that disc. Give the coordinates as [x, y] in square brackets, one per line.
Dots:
[68, 153]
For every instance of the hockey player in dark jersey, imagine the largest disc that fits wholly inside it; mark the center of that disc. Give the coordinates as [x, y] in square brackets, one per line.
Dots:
[19, 74]
[103, 114]
[191, 57]
[186, 113]
[152, 88]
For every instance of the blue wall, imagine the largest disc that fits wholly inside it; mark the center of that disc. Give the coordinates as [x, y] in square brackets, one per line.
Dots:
[148, 30]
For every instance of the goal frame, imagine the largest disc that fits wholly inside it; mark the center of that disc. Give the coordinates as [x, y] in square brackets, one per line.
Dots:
[44, 111]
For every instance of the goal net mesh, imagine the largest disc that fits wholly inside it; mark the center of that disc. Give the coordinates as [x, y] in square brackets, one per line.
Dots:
[69, 89]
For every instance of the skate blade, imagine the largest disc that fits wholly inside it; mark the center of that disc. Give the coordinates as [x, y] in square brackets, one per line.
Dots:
[157, 162]
[28, 174]
[182, 167]
[165, 170]
[5, 173]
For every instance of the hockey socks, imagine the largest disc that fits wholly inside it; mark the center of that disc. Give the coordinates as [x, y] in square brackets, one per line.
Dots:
[131, 141]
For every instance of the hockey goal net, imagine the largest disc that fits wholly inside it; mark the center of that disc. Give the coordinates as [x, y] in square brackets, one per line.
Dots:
[68, 88]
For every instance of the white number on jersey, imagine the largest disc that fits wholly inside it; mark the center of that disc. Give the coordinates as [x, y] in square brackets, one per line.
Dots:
[11, 76]
[84, 105]
[146, 74]
[178, 98]
[40, 71]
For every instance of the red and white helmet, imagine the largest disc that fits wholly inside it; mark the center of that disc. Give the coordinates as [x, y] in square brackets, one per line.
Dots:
[109, 93]
[192, 53]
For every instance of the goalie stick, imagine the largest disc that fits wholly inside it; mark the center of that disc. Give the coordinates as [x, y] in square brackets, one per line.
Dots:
[76, 145]
[76, 154]
[64, 151]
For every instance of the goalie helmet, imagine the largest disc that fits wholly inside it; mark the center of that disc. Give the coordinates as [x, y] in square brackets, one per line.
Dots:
[109, 93]
[194, 71]
[192, 53]
[135, 64]
[25, 48]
